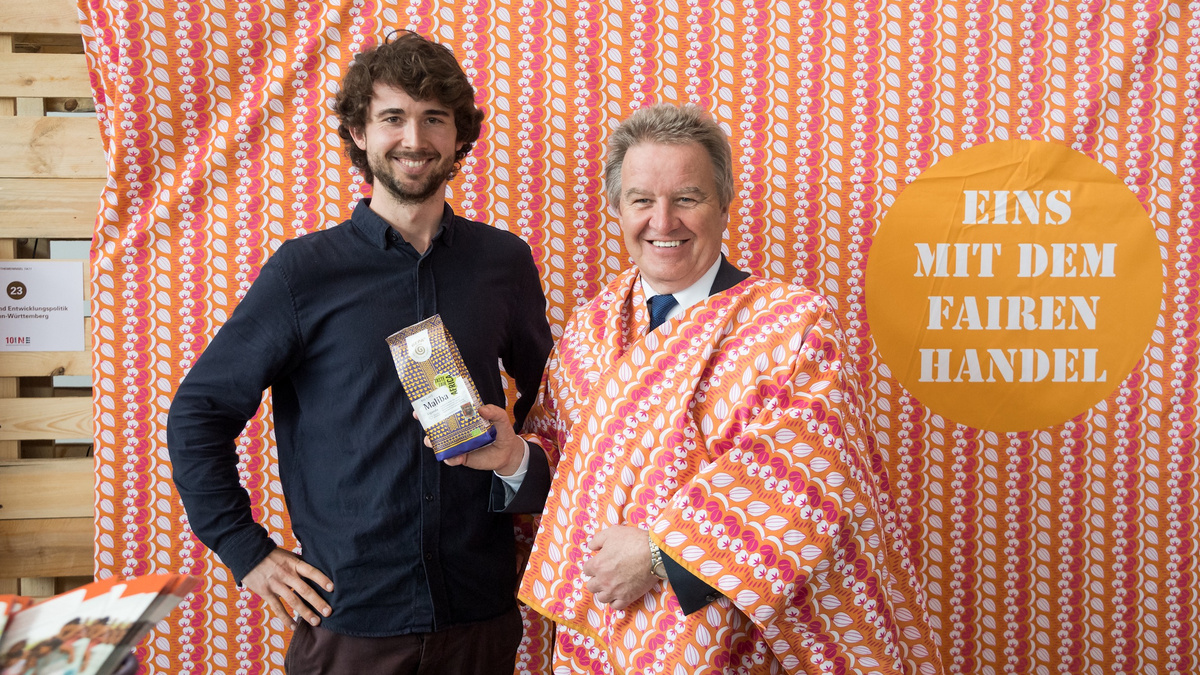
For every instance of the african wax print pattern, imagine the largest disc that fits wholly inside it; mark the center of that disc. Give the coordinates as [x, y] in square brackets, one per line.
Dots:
[734, 435]
[1066, 549]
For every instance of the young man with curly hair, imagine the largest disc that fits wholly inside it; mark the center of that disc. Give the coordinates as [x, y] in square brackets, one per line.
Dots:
[403, 567]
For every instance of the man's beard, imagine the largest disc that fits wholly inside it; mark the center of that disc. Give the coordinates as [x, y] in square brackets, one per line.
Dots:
[419, 193]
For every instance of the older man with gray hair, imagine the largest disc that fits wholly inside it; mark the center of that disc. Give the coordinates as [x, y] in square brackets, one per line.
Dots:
[712, 496]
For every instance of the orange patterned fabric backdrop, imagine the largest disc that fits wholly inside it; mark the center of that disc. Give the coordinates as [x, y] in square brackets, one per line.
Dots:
[1067, 549]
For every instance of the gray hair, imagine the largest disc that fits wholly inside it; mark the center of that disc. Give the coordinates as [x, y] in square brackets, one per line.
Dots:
[669, 124]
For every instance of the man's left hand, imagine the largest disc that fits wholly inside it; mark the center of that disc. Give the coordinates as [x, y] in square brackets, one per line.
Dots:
[502, 455]
[620, 567]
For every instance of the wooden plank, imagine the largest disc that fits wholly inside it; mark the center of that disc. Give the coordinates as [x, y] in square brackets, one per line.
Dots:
[44, 75]
[9, 449]
[49, 208]
[43, 364]
[49, 418]
[8, 106]
[47, 488]
[50, 147]
[31, 107]
[9, 388]
[39, 16]
[39, 587]
[55, 547]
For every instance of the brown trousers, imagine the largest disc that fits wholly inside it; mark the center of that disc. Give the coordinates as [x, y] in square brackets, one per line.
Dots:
[484, 648]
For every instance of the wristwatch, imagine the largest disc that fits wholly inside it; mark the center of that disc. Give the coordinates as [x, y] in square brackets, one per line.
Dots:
[656, 562]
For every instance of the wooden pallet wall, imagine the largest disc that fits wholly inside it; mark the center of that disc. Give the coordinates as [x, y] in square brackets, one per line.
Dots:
[51, 177]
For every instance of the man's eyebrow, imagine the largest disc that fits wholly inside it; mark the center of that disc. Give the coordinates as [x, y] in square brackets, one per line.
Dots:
[688, 191]
[435, 112]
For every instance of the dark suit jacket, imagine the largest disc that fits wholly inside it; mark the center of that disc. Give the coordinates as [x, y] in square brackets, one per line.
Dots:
[693, 593]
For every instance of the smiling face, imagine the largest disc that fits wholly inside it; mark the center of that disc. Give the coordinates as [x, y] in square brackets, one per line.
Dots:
[410, 145]
[671, 216]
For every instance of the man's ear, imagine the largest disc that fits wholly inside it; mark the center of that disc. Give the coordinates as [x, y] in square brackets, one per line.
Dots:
[360, 138]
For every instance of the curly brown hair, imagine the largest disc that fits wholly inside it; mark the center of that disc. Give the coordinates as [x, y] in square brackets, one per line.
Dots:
[423, 69]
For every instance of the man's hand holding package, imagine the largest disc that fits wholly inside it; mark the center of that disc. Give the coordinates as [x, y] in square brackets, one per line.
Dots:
[280, 578]
[502, 455]
[619, 566]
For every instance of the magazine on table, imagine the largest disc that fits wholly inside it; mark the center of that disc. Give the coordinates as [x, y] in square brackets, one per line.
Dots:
[86, 631]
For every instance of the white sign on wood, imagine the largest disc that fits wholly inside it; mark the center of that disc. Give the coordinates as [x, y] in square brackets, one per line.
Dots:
[41, 305]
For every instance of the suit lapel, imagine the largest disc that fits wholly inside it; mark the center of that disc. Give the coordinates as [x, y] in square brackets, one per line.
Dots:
[728, 276]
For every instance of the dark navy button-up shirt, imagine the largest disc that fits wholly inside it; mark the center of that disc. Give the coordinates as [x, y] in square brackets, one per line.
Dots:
[408, 542]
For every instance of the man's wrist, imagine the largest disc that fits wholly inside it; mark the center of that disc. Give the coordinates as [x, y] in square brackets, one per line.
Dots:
[521, 464]
[657, 567]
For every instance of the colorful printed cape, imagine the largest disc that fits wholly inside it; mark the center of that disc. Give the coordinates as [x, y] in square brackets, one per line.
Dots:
[733, 435]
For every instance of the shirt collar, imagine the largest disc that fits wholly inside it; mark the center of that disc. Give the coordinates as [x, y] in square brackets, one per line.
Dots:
[372, 226]
[691, 295]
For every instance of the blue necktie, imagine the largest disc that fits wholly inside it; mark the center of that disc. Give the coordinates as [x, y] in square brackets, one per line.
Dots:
[660, 306]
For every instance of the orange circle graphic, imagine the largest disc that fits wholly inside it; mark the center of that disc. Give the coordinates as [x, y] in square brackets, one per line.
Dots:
[1013, 285]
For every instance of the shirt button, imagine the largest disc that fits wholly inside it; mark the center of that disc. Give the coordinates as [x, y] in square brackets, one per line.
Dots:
[711, 597]
[429, 556]
[429, 497]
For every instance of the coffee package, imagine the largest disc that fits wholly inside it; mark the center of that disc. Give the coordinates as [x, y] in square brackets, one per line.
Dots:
[440, 388]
